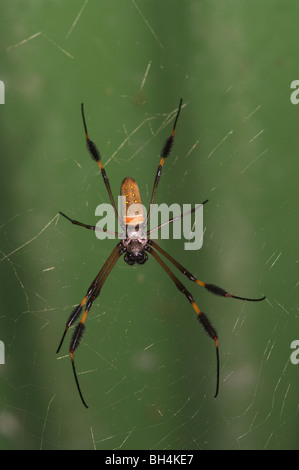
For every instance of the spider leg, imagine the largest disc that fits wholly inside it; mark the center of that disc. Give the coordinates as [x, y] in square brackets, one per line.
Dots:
[89, 227]
[78, 309]
[95, 154]
[91, 294]
[203, 319]
[178, 217]
[166, 149]
[76, 222]
[210, 287]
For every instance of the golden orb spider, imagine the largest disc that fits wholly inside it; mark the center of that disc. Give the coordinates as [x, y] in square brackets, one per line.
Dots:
[136, 246]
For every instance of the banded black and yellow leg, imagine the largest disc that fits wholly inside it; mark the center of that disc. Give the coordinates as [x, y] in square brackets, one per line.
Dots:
[95, 154]
[203, 319]
[210, 287]
[166, 149]
[78, 309]
[72, 319]
[80, 327]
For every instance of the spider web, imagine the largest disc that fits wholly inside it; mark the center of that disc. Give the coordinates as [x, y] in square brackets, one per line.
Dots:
[146, 368]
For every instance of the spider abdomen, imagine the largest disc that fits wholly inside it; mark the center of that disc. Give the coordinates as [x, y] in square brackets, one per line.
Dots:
[132, 208]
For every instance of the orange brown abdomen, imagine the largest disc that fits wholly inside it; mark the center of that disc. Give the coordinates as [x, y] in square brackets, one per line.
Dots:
[132, 209]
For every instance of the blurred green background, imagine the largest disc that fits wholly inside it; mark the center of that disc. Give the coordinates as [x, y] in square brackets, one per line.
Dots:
[146, 368]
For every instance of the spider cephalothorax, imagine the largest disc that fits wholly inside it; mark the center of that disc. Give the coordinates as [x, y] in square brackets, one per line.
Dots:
[135, 251]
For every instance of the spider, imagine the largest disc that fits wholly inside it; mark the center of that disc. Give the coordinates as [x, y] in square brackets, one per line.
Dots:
[136, 245]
